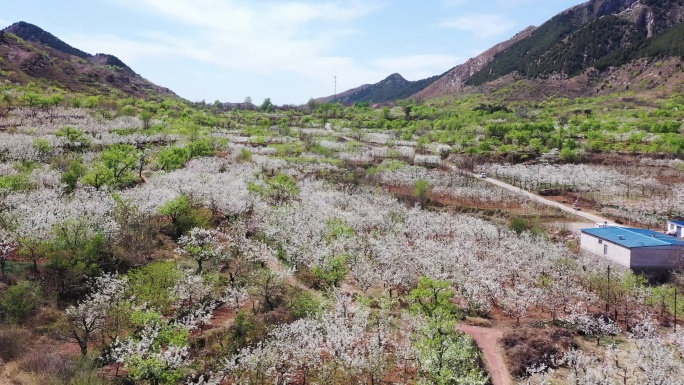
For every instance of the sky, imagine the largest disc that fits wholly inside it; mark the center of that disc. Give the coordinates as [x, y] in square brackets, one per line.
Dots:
[285, 50]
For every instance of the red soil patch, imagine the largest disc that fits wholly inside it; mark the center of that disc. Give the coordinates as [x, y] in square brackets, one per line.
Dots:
[487, 340]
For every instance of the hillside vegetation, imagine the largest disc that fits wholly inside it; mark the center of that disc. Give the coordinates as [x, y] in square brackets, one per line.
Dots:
[145, 239]
[30, 54]
[591, 36]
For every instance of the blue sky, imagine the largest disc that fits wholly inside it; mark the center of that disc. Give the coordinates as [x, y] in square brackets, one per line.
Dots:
[286, 50]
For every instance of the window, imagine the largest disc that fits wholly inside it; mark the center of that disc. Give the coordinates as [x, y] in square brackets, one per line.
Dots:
[605, 249]
[600, 241]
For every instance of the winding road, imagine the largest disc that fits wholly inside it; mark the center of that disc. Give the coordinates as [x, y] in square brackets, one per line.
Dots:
[587, 216]
[590, 217]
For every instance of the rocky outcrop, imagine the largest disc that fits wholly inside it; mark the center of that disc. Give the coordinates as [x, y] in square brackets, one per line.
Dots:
[455, 80]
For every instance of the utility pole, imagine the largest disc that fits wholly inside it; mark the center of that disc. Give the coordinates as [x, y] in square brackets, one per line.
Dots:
[335, 77]
[608, 296]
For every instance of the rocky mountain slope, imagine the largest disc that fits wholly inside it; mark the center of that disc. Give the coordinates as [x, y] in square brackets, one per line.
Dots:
[584, 50]
[30, 54]
[455, 80]
[598, 34]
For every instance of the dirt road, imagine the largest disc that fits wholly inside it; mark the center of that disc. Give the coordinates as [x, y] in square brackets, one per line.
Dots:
[487, 340]
[590, 217]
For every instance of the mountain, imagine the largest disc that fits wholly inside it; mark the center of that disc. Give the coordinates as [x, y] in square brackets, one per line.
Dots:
[31, 54]
[393, 87]
[597, 34]
[597, 47]
[455, 80]
[342, 95]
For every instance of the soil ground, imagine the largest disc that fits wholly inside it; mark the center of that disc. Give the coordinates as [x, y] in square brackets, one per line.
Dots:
[487, 340]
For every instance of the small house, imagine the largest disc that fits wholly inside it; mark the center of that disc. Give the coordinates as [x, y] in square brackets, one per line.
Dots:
[675, 228]
[634, 248]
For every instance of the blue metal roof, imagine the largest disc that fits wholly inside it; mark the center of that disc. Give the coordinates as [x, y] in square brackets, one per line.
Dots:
[630, 237]
[679, 223]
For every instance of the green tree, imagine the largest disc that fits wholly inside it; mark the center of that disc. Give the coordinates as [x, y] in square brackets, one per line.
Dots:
[121, 159]
[421, 189]
[267, 105]
[432, 298]
[33, 249]
[304, 304]
[184, 216]
[99, 176]
[519, 225]
[333, 271]
[268, 288]
[172, 158]
[153, 283]
[44, 147]
[447, 356]
[200, 148]
[146, 118]
[245, 155]
[75, 170]
[75, 139]
[31, 99]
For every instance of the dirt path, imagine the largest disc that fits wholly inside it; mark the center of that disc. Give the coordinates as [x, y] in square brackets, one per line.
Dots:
[487, 340]
[590, 217]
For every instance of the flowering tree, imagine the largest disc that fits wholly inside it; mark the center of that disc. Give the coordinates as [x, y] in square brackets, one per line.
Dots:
[87, 318]
[202, 245]
[157, 352]
[7, 245]
[596, 326]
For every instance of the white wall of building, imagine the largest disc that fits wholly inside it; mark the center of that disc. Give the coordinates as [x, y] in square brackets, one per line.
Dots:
[615, 253]
[675, 229]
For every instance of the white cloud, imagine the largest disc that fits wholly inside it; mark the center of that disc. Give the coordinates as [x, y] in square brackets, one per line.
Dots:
[417, 67]
[131, 51]
[290, 37]
[482, 25]
[249, 36]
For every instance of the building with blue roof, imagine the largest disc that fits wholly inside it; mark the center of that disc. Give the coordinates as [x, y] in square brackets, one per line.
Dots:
[635, 248]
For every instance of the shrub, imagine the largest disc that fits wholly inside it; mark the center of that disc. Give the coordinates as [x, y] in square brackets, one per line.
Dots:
[533, 347]
[47, 362]
[201, 148]
[245, 155]
[20, 301]
[518, 225]
[14, 342]
[304, 304]
[476, 321]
